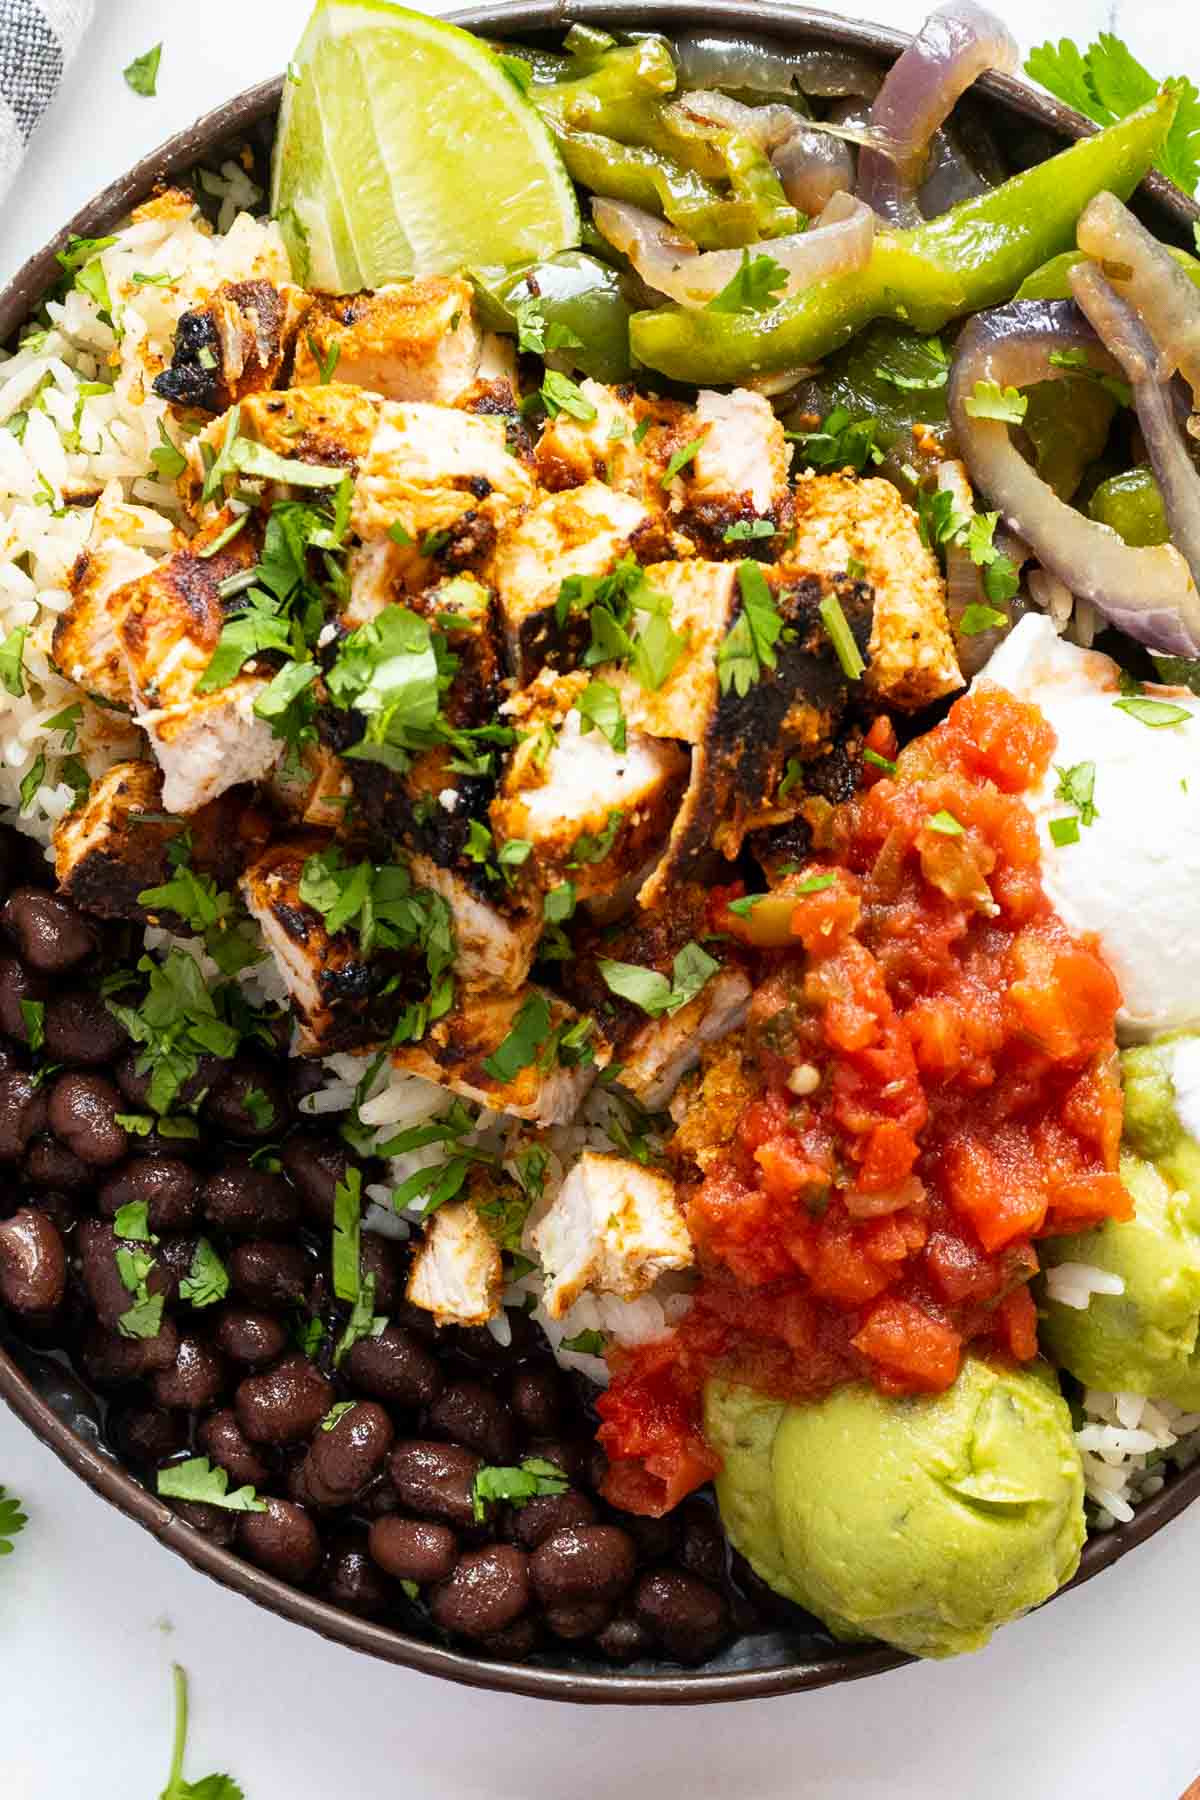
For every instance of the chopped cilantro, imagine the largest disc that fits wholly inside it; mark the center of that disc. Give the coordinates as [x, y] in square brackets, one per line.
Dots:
[521, 1044]
[749, 647]
[516, 1485]
[754, 287]
[12, 665]
[1065, 831]
[990, 401]
[744, 529]
[1155, 713]
[207, 1279]
[1077, 787]
[206, 1484]
[1106, 82]
[946, 823]
[142, 73]
[680, 459]
[593, 847]
[586, 1343]
[841, 637]
[841, 442]
[599, 705]
[558, 393]
[691, 971]
[976, 618]
[879, 762]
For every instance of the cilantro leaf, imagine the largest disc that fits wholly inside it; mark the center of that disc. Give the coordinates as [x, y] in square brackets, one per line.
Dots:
[199, 1480]
[558, 904]
[586, 1343]
[207, 1279]
[12, 1521]
[599, 705]
[593, 847]
[524, 1039]
[168, 459]
[516, 1485]
[743, 529]
[754, 287]
[142, 73]
[691, 971]
[990, 401]
[12, 667]
[749, 647]
[260, 627]
[1106, 82]
[1155, 713]
[33, 1012]
[559, 393]
[176, 1024]
[976, 618]
[840, 442]
[680, 459]
[841, 637]
[347, 1229]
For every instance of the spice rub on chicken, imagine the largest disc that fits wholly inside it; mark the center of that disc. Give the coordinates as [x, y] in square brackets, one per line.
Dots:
[500, 695]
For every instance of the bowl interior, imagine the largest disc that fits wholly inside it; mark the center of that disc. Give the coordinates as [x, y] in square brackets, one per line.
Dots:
[795, 1653]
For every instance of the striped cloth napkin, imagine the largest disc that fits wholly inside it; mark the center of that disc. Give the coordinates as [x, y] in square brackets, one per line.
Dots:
[38, 38]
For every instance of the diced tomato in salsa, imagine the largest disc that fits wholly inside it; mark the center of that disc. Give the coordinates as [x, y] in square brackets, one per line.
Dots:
[960, 1100]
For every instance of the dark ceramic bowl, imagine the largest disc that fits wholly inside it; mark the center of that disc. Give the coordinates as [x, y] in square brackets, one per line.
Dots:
[47, 1396]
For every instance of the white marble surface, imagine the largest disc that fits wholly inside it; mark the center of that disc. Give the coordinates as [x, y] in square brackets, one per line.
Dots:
[1092, 1699]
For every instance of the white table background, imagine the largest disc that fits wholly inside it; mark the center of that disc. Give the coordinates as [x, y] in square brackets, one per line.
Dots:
[1093, 1699]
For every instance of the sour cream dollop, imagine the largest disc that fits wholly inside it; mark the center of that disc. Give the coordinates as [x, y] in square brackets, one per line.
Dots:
[1132, 876]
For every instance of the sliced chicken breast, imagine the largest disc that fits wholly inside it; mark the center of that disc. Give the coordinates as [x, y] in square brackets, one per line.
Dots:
[612, 1228]
[411, 340]
[236, 344]
[86, 648]
[457, 1274]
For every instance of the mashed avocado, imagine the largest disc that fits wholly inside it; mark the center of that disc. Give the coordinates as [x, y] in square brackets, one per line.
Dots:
[1144, 1340]
[925, 1522]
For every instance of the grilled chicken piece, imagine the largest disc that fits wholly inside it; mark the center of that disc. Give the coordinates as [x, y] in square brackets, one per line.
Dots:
[455, 1049]
[457, 1274]
[331, 985]
[740, 470]
[116, 845]
[168, 623]
[495, 933]
[411, 340]
[655, 1054]
[746, 740]
[838, 517]
[627, 445]
[235, 344]
[330, 425]
[704, 603]
[584, 531]
[432, 470]
[612, 1228]
[583, 793]
[86, 648]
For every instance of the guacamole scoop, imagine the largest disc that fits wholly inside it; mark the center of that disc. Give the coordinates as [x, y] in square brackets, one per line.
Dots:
[926, 1521]
[1142, 1340]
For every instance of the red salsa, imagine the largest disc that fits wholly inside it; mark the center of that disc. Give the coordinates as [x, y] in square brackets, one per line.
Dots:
[936, 1087]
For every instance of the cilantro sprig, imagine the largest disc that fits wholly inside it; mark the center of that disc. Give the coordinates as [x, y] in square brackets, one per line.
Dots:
[12, 1521]
[749, 647]
[1106, 82]
[691, 971]
[210, 1787]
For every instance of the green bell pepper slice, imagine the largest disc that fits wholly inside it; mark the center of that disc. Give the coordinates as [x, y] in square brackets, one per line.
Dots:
[975, 256]
[1052, 280]
[1132, 505]
[571, 289]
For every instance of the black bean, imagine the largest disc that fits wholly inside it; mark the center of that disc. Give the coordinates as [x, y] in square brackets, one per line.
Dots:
[33, 1263]
[110, 1360]
[111, 1299]
[241, 1198]
[18, 983]
[687, 1618]
[349, 1578]
[533, 1522]
[283, 1539]
[538, 1397]
[22, 1114]
[583, 1562]
[146, 1435]
[413, 1549]
[214, 1522]
[702, 1551]
[579, 1619]
[656, 1539]
[316, 1164]
[396, 1367]
[169, 1188]
[50, 935]
[345, 1453]
[249, 1336]
[223, 1440]
[49, 1164]
[250, 1102]
[62, 1210]
[471, 1414]
[135, 1087]
[269, 1275]
[194, 1380]
[516, 1643]
[436, 1480]
[284, 1404]
[82, 1113]
[486, 1592]
[623, 1639]
[81, 1031]
[379, 1499]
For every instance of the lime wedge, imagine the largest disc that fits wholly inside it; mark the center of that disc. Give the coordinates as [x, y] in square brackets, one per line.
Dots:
[404, 146]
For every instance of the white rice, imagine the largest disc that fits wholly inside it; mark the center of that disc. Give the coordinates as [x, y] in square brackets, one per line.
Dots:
[1126, 1444]
[1073, 1284]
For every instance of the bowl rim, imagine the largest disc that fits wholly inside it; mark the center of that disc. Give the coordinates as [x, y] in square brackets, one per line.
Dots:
[101, 1472]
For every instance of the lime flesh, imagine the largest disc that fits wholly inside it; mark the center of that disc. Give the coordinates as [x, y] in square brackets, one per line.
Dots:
[405, 147]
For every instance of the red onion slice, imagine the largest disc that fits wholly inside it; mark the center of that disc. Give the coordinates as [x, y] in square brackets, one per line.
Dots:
[956, 44]
[754, 65]
[839, 243]
[1148, 593]
[812, 165]
[1145, 273]
[1124, 334]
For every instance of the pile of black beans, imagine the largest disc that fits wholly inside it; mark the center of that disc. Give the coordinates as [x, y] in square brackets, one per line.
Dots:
[375, 1509]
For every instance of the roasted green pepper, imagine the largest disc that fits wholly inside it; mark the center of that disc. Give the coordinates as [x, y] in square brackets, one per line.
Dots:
[974, 256]
[1132, 504]
[1067, 422]
[574, 290]
[619, 138]
[1052, 280]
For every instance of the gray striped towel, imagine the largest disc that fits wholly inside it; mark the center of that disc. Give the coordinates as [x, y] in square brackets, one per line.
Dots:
[38, 38]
